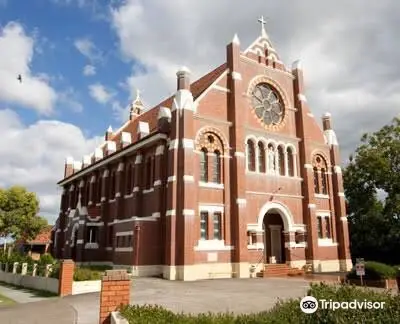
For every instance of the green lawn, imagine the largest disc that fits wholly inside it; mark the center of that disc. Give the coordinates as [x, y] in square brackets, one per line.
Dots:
[5, 301]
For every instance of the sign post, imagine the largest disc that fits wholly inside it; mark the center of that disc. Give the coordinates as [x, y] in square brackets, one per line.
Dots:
[360, 269]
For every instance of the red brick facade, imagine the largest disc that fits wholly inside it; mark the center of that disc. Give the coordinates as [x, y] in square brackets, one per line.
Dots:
[232, 171]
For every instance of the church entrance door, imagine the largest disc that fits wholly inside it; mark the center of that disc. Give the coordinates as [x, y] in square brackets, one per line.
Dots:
[274, 242]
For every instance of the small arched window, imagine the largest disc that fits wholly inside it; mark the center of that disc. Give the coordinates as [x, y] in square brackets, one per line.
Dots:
[271, 159]
[251, 156]
[217, 167]
[316, 180]
[324, 185]
[203, 165]
[281, 159]
[261, 157]
[290, 160]
[112, 185]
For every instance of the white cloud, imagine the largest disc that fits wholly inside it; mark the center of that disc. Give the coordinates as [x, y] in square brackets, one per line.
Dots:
[89, 70]
[88, 49]
[35, 91]
[100, 93]
[69, 98]
[34, 155]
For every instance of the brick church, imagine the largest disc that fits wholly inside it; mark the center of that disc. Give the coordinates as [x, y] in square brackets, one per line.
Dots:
[228, 176]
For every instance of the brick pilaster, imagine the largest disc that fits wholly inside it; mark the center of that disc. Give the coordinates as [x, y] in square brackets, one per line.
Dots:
[66, 278]
[137, 185]
[236, 102]
[115, 291]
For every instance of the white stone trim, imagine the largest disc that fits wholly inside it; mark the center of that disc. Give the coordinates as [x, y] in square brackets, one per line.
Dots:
[188, 178]
[127, 233]
[274, 194]
[256, 246]
[128, 196]
[156, 215]
[171, 178]
[214, 84]
[173, 144]
[219, 88]
[109, 248]
[211, 185]
[138, 159]
[321, 196]
[323, 213]
[282, 210]
[310, 115]
[211, 208]
[241, 201]
[188, 212]
[95, 224]
[160, 150]
[79, 242]
[343, 219]
[337, 169]
[310, 206]
[236, 76]
[157, 183]
[341, 194]
[187, 143]
[81, 222]
[91, 246]
[170, 212]
[212, 245]
[136, 189]
[118, 194]
[146, 191]
[308, 166]
[124, 249]
[302, 97]
[240, 154]
[326, 242]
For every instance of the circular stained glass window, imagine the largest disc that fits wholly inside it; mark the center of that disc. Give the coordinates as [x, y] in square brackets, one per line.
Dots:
[267, 104]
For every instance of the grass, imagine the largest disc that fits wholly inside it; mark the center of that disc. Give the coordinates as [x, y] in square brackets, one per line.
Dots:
[5, 301]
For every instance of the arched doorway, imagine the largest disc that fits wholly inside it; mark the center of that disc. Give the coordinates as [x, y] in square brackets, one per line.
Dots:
[275, 220]
[274, 240]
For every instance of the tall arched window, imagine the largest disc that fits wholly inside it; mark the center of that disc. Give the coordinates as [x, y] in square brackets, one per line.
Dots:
[290, 160]
[99, 186]
[281, 159]
[271, 159]
[316, 180]
[203, 165]
[148, 172]
[324, 185]
[87, 191]
[251, 156]
[216, 167]
[261, 157]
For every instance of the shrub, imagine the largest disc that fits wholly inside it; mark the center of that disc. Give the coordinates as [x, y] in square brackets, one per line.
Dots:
[285, 311]
[83, 274]
[375, 271]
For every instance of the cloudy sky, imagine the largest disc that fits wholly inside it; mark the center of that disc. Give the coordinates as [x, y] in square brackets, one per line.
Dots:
[82, 61]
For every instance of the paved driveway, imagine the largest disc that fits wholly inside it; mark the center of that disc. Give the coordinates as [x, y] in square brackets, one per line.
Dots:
[219, 295]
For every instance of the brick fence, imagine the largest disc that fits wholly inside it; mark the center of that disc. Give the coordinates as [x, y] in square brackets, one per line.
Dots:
[66, 278]
[115, 291]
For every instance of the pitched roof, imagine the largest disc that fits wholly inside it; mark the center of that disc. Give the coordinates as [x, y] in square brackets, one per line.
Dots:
[44, 237]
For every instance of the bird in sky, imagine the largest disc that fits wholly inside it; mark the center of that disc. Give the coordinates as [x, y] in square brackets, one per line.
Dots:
[19, 78]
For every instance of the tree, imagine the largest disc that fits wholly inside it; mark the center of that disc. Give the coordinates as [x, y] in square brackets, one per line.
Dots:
[18, 214]
[374, 222]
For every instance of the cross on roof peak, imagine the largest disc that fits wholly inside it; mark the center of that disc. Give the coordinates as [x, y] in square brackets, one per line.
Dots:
[263, 22]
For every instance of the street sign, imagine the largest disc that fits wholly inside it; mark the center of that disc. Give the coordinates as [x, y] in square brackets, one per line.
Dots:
[360, 267]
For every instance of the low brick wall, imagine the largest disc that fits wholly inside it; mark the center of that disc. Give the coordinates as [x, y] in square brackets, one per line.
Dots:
[388, 283]
[38, 283]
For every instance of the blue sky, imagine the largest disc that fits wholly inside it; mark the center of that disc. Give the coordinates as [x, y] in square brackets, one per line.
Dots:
[124, 45]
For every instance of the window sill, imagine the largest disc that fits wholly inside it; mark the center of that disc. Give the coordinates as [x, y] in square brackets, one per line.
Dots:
[321, 196]
[257, 246]
[326, 242]
[124, 249]
[212, 185]
[145, 191]
[212, 245]
[91, 246]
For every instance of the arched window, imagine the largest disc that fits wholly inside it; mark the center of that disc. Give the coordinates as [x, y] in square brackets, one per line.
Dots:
[148, 172]
[281, 159]
[203, 165]
[87, 191]
[112, 185]
[261, 157]
[251, 156]
[217, 167]
[316, 180]
[271, 158]
[324, 185]
[290, 160]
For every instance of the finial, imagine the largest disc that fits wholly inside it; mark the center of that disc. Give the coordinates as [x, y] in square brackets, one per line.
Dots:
[183, 70]
[297, 65]
[236, 40]
[109, 129]
[327, 115]
[263, 22]
[138, 92]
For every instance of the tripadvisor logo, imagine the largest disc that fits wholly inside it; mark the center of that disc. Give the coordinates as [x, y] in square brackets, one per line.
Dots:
[309, 304]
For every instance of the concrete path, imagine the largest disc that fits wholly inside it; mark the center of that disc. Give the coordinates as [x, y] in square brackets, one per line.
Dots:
[20, 295]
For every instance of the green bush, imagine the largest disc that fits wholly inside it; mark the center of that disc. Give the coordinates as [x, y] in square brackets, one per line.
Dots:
[285, 311]
[83, 274]
[375, 271]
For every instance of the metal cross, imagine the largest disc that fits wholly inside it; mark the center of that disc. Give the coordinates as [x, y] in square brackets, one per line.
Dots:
[263, 23]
